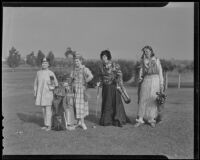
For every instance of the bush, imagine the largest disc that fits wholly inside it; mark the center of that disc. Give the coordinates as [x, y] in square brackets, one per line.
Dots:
[127, 68]
[93, 65]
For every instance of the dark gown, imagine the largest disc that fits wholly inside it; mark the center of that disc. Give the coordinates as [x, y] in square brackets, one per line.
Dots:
[112, 108]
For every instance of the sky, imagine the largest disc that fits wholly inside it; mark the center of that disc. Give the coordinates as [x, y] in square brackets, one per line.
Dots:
[122, 30]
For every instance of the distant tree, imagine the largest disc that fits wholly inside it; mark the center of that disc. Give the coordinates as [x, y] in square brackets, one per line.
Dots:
[50, 56]
[190, 66]
[167, 66]
[31, 59]
[127, 68]
[40, 57]
[14, 58]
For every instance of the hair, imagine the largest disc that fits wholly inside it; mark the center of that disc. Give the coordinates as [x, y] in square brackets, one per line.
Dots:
[78, 56]
[46, 59]
[150, 48]
[106, 53]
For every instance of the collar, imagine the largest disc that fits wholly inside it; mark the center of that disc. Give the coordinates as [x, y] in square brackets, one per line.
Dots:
[77, 68]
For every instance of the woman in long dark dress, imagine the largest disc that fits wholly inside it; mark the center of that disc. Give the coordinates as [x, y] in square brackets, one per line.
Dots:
[112, 108]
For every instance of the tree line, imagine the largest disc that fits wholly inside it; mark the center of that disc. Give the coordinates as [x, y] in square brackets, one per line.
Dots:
[129, 68]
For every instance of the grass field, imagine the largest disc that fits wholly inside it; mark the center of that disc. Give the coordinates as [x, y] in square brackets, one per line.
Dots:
[23, 136]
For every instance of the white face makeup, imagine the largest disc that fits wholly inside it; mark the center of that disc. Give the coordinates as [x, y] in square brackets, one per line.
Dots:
[45, 65]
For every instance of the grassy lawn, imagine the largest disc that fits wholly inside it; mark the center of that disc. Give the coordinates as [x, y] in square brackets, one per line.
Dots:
[22, 121]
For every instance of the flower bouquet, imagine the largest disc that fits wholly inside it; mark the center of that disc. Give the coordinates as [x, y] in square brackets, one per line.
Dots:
[160, 100]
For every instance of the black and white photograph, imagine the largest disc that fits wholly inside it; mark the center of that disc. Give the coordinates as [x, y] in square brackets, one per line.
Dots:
[99, 80]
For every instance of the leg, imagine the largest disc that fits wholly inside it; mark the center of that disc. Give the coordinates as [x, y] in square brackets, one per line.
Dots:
[139, 121]
[48, 117]
[83, 124]
[141, 112]
[44, 117]
[66, 116]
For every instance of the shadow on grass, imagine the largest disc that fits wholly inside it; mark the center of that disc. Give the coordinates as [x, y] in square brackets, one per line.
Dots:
[92, 117]
[31, 118]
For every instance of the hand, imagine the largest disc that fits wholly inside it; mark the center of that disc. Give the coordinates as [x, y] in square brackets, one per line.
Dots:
[98, 84]
[140, 80]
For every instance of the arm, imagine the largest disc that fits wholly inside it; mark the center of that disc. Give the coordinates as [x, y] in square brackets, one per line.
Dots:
[100, 77]
[88, 74]
[119, 75]
[35, 85]
[141, 73]
[160, 74]
[55, 79]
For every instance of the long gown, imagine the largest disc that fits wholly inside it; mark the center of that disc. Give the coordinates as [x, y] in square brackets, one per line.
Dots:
[112, 108]
[151, 74]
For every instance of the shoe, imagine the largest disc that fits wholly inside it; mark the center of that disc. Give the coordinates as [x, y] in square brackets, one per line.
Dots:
[138, 124]
[84, 126]
[139, 121]
[44, 127]
[152, 124]
[71, 128]
[48, 128]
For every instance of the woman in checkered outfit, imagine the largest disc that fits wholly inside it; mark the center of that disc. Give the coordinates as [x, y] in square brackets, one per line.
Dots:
[81, 75]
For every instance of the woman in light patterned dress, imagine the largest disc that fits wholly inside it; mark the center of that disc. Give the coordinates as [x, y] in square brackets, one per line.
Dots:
[151, 79]
[43, 92]
[81, 75]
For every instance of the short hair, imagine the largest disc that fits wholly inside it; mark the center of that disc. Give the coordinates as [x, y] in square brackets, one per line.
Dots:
[106, 53]
[150, 48]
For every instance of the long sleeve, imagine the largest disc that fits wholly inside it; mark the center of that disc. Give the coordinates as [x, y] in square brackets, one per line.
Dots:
[160, 72]
[55, 79]
[35, 85]
[88, 74]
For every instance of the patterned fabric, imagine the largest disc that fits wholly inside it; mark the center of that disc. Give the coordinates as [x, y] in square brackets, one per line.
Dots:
[110, 73]
[80, 77]
[151, 67]
[112, 108]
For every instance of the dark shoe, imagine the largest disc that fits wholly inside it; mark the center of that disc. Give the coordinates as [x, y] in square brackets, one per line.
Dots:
[105, 124]
[117, 124]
